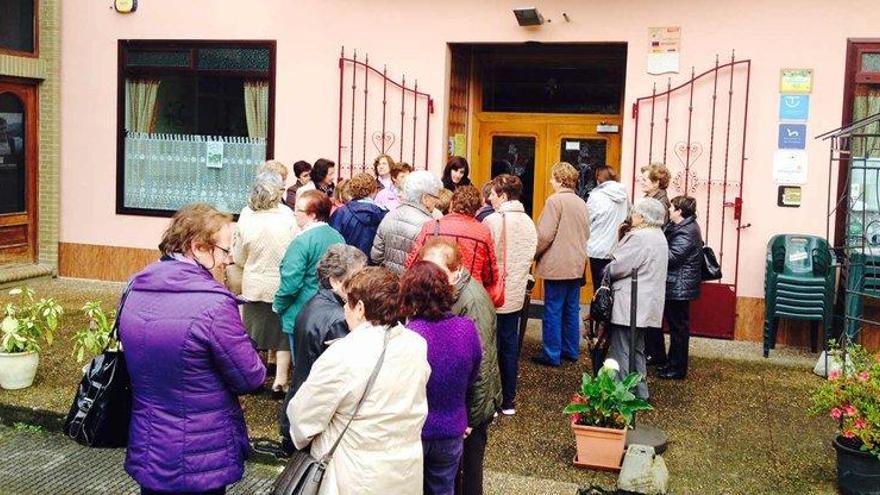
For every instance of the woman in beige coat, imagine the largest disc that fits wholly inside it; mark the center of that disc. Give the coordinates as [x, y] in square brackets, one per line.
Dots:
[265, 228]
[563, 232]
[516, 239]
[381, 452]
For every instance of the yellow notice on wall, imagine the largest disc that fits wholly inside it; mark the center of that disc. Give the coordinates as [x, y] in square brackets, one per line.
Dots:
[798, 81]
[459, 145]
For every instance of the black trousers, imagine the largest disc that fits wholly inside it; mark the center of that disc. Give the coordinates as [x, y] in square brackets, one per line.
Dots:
[470, 475]
[597, 265]
[655, 347]
[677, 314]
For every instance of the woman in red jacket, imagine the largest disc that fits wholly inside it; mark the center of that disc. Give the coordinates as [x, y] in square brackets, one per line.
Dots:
[472, 237]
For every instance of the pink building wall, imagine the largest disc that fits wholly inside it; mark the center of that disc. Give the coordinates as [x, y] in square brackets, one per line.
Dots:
[411, 38]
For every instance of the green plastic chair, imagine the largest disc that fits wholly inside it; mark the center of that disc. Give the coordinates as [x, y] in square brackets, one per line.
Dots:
[798, 285]
[861, 277]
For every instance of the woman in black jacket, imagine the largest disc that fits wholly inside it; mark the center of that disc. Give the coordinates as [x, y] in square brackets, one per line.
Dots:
[683, 278]
[321, 321]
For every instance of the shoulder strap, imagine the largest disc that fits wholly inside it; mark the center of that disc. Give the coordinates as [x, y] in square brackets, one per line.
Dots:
[357, 408]
[504, 243]
[436, 228]
[114, 333]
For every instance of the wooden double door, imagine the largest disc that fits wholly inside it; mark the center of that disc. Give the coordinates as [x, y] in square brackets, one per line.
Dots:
[18, 171]
[528, 145]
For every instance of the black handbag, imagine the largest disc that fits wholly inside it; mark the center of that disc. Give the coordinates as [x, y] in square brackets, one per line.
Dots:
[303, 474]
[711, 270]
[101, 409]
[603, 300]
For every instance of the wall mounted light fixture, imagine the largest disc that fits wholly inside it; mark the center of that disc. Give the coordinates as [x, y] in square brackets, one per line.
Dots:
[528, 16]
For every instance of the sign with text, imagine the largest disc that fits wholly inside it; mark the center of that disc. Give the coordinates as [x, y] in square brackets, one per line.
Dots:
[664, 49]
[794, 107]
[790, 167]
[792, 136]
[796, 81]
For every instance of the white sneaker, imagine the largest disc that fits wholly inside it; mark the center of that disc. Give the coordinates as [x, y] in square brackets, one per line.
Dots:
[508, 412]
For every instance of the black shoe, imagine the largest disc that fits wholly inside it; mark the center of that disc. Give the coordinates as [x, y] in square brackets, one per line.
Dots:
[278, 393]
[570, 359]
[655, 361]
[671, 375]
[543, 361]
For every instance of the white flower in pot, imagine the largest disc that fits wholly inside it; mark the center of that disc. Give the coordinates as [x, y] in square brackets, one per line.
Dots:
[25, 324]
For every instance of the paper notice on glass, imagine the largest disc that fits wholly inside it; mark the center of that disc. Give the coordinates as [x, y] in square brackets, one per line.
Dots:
[214, 154]
[790, 167]
[664, 50]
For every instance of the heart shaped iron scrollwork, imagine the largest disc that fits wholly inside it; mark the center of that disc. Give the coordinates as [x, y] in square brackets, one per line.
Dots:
[383, 142]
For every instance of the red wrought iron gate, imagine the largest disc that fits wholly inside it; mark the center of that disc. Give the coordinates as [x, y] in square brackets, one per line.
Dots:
[383, 117]
[698, 129]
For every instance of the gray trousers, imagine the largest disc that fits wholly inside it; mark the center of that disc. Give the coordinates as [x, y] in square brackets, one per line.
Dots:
[619, 350]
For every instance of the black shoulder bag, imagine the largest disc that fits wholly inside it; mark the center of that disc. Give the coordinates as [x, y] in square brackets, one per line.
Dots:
[710, 268]
[101, 409]
[303, 474]
[603, 300]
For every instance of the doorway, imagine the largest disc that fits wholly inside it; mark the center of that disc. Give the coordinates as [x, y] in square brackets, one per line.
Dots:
[18, 172]
[536, 105]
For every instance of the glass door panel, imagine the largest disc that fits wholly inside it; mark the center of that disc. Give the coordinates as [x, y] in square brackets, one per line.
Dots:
[585, 154]
[13, 179]
[515, 155]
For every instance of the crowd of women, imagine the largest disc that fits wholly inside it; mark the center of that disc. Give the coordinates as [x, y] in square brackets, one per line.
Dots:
[396, 297]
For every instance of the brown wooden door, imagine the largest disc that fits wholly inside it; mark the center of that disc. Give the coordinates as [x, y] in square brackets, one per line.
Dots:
[528, 145]
[18, 172]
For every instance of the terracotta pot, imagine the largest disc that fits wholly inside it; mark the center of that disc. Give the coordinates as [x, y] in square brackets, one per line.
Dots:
[17, 370]
[599, 448]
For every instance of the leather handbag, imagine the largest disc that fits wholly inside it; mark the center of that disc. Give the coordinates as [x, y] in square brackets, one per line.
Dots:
[603, 300]
[304, 474]
[101, 409]
[711, 270]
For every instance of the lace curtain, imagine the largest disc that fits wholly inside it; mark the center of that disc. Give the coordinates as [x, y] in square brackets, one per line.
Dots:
[256, 107]
[140, 105]
[866, 103]
[167, 171]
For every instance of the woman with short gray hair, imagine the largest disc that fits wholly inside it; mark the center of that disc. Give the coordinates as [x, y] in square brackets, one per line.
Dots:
[265, 228]
[321, 320]
[644, 250]
[398, 231]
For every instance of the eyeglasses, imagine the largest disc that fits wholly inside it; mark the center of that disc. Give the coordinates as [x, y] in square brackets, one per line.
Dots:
[226, 251]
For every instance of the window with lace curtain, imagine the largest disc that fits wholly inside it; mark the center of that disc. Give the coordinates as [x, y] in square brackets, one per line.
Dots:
[195, 123]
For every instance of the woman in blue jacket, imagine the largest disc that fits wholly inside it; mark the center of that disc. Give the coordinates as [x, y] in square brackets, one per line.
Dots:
[358, 220]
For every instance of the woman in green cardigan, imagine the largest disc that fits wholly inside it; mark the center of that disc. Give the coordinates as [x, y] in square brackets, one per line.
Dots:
[299, 280]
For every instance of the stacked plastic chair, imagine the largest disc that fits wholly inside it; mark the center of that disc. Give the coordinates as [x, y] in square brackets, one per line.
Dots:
[798, 285]
[861, 277]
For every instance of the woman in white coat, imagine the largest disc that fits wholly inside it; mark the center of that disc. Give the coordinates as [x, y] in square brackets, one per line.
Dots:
[516, 240]
[265, 228]
[381, 452]
[609, 206]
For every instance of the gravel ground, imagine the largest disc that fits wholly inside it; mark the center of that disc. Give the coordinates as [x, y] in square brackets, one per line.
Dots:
[737, 425]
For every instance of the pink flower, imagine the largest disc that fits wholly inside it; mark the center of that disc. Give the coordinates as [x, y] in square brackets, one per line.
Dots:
[849, 433]
[864, 376]
[834, 374]
[859, 424]
[836, 413]
[849, 410]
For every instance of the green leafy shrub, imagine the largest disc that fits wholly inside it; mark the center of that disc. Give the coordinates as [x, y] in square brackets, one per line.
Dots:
[97, 335]
[28, 322]
[605, 401]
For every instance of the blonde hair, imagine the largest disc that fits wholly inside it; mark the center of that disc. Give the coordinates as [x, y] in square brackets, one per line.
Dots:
[361, 185]
[274, 166]
[444, 200]
[565, 174]
[657, 172]
[197, 222]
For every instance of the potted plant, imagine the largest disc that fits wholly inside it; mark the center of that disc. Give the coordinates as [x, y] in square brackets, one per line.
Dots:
[851, 396]
[97, 335]
[25, 324]
[601, 412]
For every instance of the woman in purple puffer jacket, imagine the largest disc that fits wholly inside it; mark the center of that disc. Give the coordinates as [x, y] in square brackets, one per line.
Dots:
[189, 357]
[454, 353]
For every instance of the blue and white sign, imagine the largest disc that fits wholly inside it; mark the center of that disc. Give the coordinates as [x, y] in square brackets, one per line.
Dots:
[794, 107]
[792, 136]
